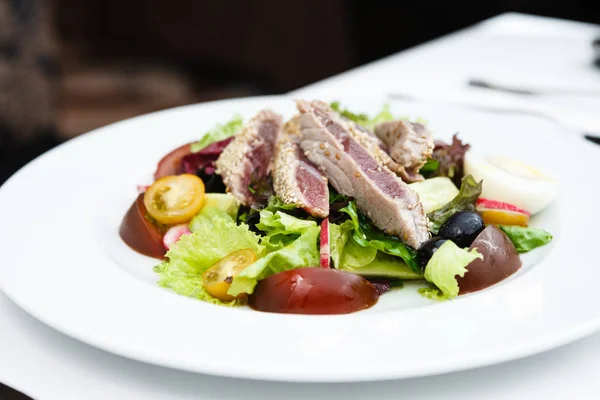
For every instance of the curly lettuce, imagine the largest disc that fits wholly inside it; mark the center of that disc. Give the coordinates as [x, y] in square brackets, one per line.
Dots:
[289, 243]
[447, 262]
[281, 229]
[369, 122]
[215, 204]
[193, 254]
[218, 133]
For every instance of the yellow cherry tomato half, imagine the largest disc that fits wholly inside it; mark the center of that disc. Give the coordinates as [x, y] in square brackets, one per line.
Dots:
[217, 279]
[175, 199]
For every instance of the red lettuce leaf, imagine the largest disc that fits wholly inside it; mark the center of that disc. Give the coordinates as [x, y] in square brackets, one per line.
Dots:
[451, 159]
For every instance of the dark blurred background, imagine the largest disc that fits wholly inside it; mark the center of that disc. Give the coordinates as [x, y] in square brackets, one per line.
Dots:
[69, 66]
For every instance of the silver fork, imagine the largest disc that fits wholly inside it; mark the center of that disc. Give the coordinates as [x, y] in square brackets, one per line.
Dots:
[531, 91]
[586, 124]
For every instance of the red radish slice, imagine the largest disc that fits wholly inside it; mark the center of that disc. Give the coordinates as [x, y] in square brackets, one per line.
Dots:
[499, 205]
[325, 249]
[142, 188]
[173, 235]
[171, 163]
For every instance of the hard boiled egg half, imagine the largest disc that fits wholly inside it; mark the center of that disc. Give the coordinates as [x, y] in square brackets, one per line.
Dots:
[512, 181]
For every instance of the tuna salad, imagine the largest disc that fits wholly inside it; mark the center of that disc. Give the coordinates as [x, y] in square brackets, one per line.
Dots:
[325, 210]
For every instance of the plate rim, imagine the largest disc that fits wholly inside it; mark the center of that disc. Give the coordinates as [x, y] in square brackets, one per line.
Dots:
[524, 350]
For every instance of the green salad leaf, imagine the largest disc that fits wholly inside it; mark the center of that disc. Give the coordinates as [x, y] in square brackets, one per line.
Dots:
[447, 262]
[219, 132]
[361, 119]
[335, 197]
[193, 254]
[526, 239]
[369, 122]
[366, 235]
[349, 256]
[430, 166]
[290, 243]
[338, 237]
[382, 116]
[281, 229]
[435, 193]
[215, 205]
[465, 200]
[275, 204]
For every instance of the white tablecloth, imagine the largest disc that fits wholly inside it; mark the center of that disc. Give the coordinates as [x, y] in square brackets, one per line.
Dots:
[48, 365]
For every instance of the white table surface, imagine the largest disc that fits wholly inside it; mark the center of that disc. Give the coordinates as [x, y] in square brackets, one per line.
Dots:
[515, 48]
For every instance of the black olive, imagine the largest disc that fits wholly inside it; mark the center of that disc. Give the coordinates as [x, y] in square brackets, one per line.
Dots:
[428, 248]
[462, 228]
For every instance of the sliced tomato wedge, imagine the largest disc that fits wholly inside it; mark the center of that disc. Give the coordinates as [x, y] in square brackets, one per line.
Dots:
[170, 164]
[501, 213]
[175, 199]
[217, 279]
[140, 233]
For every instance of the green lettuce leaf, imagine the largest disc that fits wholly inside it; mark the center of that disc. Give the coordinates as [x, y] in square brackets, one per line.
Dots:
[526, 239]
[348, 256]
[338, 236]
[370, 122]
[290, 243]
[361, 119]
[430, 166]
[281, 229]
[366, 235]
[448, 262]
[193, 254]
[219, 132]
[275, 204]
[215, 205]
[335, 197]
[382, 116]
[465, 200]
[435, 193]
[384, 266]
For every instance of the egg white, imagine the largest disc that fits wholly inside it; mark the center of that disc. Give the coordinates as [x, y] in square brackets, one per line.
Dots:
[512, 181]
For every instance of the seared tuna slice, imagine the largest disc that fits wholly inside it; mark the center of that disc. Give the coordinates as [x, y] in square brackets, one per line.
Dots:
[248, 157]
[379, 151]
[410, 144]
[295, 179]
[390, 203]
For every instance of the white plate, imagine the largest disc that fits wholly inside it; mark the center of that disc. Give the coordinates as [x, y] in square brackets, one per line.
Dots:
[64, 263]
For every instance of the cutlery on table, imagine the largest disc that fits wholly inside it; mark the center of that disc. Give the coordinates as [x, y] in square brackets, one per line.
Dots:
[531, 90]
[587, 124]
